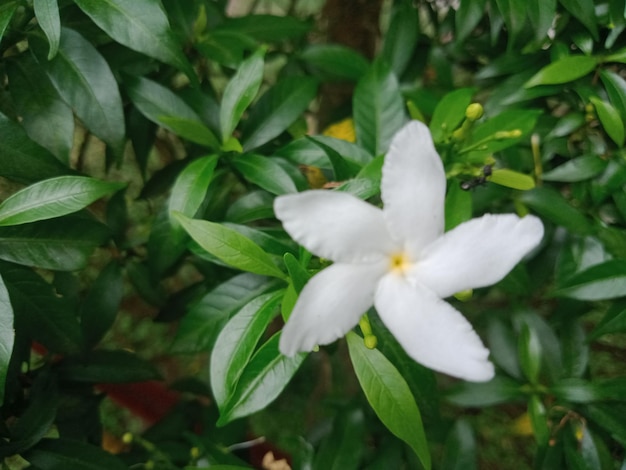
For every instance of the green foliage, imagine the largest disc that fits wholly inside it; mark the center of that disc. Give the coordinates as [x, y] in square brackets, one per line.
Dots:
[142, 146]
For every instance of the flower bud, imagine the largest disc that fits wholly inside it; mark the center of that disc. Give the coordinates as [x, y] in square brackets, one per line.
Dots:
[127, 438]
[474, 112]
[370, 341]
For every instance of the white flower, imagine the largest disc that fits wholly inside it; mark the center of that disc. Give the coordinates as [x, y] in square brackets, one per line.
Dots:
[399, 260]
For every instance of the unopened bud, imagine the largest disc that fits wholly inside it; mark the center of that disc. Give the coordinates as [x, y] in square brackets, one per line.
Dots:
[514, 134]
[127, 438]
[474, 112]
[194, 453]
[370, 341]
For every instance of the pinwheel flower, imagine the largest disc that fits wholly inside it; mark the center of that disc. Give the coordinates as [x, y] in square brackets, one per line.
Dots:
[399, 259]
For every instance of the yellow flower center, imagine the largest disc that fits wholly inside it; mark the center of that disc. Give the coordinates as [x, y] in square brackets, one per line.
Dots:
[399, 263]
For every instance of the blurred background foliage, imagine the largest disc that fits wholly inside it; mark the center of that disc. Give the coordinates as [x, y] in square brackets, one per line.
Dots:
[117, 115]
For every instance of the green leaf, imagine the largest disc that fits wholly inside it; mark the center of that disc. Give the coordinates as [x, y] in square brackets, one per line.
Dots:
[585, 12]
[23, 160]
[255, 205]
[191, 187]
[230, 247]
[47, 14]
[7, 335]
[613, 321]
[140, 25]
[537, 414]
[266, 28]
[458, 206]
[378, 108]
[163, 107]
[610, 119]
[601, 281]
[236, 344]
[84, 80]
[104, 366]
[40, 312]
[100, 306]
[53, 198]
[609, 417]
[530, 353]
[260, 383]
[541, 14]
[514, 16]
[343, 448]
[460, 447]
[45, 117]
[400, 39]
[577, 169]
[335, 62]
[6, 13]
[277, 109]
[615, 87]
[297, 273]
[482, 394]
[199, 328]
[550, 204]
[449, 113]
[512, 179]
[265, 240]
[564, 70]
[240, 92]
[62, 244]
[389, 395]
[305, 151]
[69, 454]
[265, 172]
[467, 18]
[342, 168]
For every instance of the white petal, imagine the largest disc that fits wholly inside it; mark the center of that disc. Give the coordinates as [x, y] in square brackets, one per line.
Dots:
[431, 331]
[334, 225]
[477, 253]
[330, 305]
[413, 187]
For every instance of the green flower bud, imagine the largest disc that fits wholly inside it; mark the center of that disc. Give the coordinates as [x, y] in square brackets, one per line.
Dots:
[474, 112]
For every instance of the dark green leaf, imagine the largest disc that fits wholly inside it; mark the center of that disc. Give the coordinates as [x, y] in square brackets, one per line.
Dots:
[498, 390]
[166, 244]
[460, 447]
[84, 80]
[297, 273]
[530, 353]
[23, 160]
[389, 395]
[100, 306]
[343, 448]
[538, 419]
[240, 92]
[46, 118]
[602, 281]
[265, 239]
[514, 15]
[574, 349]
[335, 62]
[236, 344]
[449, 113]
[467, 17]
[39, 311]
[7, 335]
[253, 206]
[401, 37]
[577, 169]
[584, 11]
[62, 244]
[610, 120]
[266, 27]
[342, 168]
[541, 14]
[265, 376]
[53, 198]
[66, 454]
[615, 87]
[47, 14]
[265, 172]
[378, 108]
[103, 366]
[140, 25]
[550, 204]
[611, 180]
[610, 418]
[564, 70]
[200, 326]
[277, 109]
[614, 321]
[305, 151]
[458, 207]
[6, 13]
[226, 47]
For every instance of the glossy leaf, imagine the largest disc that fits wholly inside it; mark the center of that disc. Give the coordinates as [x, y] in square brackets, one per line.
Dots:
[276, 110]
[45, 117]
[6, 14]
[467, 17]
[62, 244]
[615, 87]
[53, 198]
[458, 206]
[577, 169]
[229, 246]
[564, 70]
[538, 419]
[22, 159]
[260, 383]
[200, 326]
[305, 151]
[265, 172]
[101, 304]
[614, 321]
[343, 169]
[530, 353]
[584, 11]
[240, 92]
[236, 344]
[514, 15]
[69, 454]
[389, 395]
[140, 25]
[512, 179]
[378, 108]
[255, 205]
[107, 367]
[498, 390]
[400, 40]
[541, 14]
[298, 274]
[7, 335]
[269, 28]
[602, 281]
[343, 448]
[460, 447]
[551, 205]
[610, 119]
[47, 14]
[335, 62]
[449, 113]
[84, 80]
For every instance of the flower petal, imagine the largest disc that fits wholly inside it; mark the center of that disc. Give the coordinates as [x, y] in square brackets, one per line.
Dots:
[477, 253]
[330, 305]
[431, 331]
[334, 225]
[413, 188]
